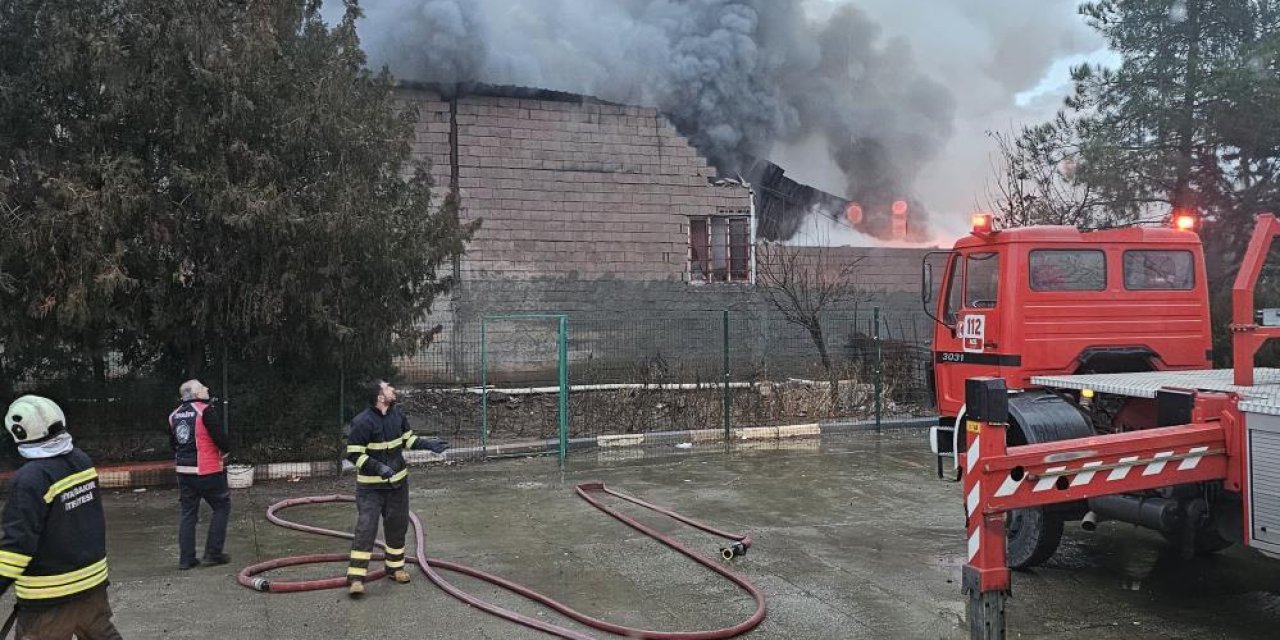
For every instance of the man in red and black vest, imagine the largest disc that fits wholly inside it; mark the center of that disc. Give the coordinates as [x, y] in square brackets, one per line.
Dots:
[199, 443]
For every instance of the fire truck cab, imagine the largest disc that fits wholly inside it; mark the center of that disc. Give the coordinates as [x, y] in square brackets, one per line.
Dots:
[1035, 301]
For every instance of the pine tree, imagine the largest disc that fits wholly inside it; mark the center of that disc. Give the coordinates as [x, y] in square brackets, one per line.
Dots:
[182, 176]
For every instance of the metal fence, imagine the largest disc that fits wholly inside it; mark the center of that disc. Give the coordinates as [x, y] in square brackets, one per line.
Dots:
[494, 381]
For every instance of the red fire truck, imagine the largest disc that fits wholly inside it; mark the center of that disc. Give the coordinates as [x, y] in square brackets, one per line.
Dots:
[1036, 301]
[1074, 366]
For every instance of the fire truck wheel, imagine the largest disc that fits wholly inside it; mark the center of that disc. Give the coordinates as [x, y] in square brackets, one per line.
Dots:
[1031, 537]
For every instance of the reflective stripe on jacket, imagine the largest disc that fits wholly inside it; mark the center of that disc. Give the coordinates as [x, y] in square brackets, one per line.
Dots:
[53, 547]
[379, 440]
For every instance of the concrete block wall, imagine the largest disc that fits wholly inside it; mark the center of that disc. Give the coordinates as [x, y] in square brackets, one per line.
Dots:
[616, 326]
[581, 189]
[431, 135]
[585, 210]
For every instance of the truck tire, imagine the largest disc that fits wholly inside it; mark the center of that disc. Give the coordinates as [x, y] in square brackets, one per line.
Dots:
[1032, 535]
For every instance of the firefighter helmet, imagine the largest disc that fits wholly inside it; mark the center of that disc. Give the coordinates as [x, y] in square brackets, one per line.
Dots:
[33, 419]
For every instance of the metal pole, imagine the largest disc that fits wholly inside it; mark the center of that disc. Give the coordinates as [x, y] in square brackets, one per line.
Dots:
[226, 394]
[563, 370]
[484, 386]
[751, 196]
[879, 365]
[728, 401]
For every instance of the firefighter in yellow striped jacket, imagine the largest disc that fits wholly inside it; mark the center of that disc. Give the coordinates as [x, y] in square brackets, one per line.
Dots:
[378, 437]
[54, 544]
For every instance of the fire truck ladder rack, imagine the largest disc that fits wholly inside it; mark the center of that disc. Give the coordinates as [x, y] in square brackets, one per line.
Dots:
[1261, 397]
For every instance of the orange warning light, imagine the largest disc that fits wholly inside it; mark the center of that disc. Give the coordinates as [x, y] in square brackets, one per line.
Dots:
[982, 223]
[1184, 221]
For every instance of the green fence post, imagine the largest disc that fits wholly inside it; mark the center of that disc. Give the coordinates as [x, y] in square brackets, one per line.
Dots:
[879, 365]
[484, 388]
[728, 399]
[563, 371]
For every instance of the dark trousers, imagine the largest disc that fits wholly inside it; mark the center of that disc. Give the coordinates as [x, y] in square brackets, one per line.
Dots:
[390, 504]
[212, 489]
[86, 618]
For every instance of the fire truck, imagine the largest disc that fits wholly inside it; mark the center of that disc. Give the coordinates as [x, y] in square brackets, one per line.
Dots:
[1072, 371]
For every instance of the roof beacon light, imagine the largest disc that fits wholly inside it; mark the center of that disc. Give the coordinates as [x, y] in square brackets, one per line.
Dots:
[983, 224]
[1184, 221]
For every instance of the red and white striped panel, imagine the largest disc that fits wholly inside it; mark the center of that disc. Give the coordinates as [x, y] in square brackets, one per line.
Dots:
[973, 492]
[1098, 473]
[973, 519]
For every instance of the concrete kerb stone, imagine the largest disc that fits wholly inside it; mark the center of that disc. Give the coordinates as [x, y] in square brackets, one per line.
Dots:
[706, 435]
[667, 437]
[853, 426]
[575, 444]
[800, 430]
[756, 433]
[621, 440]
[803, 435]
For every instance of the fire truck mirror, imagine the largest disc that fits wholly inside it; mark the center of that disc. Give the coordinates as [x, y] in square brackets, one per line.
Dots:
[926, 282]
[986, 399]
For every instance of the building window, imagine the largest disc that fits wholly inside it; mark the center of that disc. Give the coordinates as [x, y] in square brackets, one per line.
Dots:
[720, 249]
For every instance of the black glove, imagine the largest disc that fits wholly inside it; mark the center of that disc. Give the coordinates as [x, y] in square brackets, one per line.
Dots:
[436, 445]
[385, 472]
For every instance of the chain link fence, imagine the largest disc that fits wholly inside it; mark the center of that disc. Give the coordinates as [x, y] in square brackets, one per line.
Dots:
[632, 373]
[491, 382]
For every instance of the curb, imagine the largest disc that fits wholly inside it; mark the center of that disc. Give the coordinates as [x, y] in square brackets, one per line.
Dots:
[159, 474]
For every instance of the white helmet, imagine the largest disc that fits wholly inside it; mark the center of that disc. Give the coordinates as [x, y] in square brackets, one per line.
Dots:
[33, 419]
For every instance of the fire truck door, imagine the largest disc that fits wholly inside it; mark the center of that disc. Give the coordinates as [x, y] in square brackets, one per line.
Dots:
[969, 347]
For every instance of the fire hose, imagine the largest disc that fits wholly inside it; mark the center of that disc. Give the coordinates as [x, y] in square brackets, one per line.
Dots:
[249, 576]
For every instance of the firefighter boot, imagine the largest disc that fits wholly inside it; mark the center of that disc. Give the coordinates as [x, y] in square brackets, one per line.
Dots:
[355, 589]
[401, 576]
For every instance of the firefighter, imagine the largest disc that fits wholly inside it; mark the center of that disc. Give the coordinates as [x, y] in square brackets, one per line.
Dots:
[379, 434]
[199, 445]
[54, 543]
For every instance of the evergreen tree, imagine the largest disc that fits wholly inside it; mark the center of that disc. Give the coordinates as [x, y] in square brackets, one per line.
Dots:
[181, 176]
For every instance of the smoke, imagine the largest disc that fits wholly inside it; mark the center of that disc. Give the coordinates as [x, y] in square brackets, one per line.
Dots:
[1006, 62]
[737, 77]
[887, 100]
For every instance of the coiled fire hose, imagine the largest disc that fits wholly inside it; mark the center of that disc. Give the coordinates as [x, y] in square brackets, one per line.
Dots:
[249, 576]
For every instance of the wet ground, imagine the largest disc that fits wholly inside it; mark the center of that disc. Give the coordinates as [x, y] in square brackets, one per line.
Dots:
[854, 538]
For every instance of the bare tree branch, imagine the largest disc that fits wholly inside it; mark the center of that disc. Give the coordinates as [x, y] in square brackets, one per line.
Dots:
[805, 283]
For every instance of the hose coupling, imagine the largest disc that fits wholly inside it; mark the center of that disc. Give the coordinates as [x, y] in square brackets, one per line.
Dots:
[732, 551]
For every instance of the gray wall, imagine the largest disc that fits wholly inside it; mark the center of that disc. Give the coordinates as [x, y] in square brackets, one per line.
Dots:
[584, 209]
